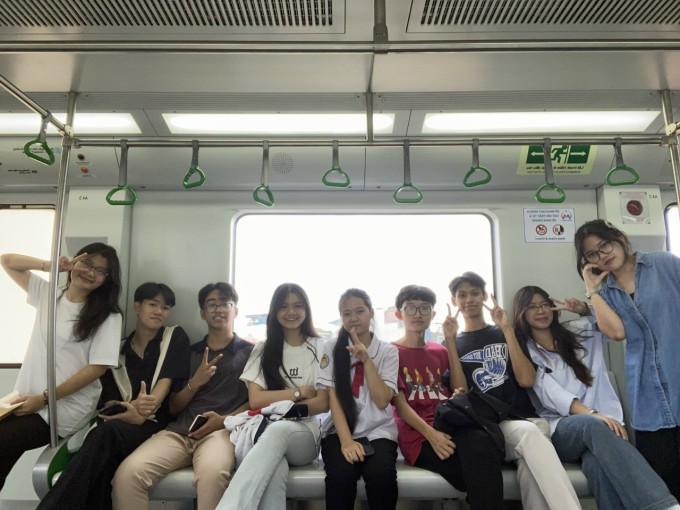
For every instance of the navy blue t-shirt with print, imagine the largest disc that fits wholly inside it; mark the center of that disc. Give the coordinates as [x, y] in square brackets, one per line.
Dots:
[486, 363]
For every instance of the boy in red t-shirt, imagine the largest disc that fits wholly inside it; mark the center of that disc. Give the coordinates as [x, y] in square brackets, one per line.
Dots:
[469, 461]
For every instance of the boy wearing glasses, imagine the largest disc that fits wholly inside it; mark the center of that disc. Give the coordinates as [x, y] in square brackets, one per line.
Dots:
[429, 373]
[213, 392]
[494, 362]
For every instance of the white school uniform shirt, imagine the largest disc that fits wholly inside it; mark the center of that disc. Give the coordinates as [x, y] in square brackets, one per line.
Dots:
[74, 410]
[556, 385]
[301, 365]
[372, 422]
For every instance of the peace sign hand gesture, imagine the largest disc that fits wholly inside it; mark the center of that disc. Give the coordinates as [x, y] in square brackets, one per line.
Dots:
[66, 264]
[357, 349]
[205, 371]
[450, 324]
[570, 305]
[498, 315]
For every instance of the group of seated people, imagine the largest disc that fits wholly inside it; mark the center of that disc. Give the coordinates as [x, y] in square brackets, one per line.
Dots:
[363, 399]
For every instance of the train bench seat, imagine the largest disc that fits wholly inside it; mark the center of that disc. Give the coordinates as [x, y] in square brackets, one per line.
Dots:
[304, 482]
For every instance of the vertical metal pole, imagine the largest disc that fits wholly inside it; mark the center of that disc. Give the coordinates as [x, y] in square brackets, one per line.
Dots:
[667, 108]
[57, 232]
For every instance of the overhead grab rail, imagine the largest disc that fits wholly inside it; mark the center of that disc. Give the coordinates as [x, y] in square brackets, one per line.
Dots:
[128, 192]
[41, 140]
[549, 185]
[407, 187]
[194, 170]
[621, 168]
[475, 168]
[268, 199]
[335, 172]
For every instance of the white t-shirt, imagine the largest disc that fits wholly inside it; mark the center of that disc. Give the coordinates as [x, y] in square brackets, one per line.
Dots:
[372, 422]
[102, 348]
[302, 369]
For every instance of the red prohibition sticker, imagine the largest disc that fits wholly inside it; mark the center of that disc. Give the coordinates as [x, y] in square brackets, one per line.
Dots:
[634, 207]
[541, 229]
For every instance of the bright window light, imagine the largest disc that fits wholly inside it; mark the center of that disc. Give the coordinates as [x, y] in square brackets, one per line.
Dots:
[26, 231]
[539, 122]
[276, 123]
[375, 270]
[83, 123]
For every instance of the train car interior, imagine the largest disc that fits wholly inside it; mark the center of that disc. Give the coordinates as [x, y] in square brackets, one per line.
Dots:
[334, 143]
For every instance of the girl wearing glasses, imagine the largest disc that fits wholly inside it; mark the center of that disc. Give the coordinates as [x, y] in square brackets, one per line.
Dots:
[579, 402]
[284, 367]
[360, 436]
[636, 296]
[87, 339]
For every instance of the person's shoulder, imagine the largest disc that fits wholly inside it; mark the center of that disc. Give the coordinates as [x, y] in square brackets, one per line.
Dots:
[241, 344]
[435, 346]
[200, 346]
[657, 257]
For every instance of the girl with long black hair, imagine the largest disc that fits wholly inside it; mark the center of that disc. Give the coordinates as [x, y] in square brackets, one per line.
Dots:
[283, 367]
[360, 437]
[578, 401]
[87, 339]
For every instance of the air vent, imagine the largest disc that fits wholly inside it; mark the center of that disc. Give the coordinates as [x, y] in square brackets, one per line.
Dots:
[166, 13]
[547, 12]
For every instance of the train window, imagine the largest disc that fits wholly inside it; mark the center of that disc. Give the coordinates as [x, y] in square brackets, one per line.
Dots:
[329, 253]
[673, 229]
[29, 231]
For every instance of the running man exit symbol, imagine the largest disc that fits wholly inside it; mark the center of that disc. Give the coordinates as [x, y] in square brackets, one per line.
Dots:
[569, 154]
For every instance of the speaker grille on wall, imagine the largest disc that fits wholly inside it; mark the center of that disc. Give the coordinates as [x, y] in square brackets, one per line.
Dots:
[282, 162]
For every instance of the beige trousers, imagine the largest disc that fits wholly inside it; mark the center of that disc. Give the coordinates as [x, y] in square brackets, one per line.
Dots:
[212, 458]
[542, 480]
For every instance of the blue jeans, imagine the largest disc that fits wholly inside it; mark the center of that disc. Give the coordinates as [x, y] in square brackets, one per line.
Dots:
[617, 474]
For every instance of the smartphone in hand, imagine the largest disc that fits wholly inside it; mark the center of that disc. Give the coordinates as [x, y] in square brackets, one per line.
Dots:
[112, 408]
[198, 422]
[368, 447]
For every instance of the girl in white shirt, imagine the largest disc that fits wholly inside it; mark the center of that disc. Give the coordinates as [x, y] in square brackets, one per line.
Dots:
[581, 406]
[284, 367]
[360, 437]
[87, 339]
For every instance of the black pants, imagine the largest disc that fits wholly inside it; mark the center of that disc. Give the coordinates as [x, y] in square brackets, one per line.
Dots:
[85, 484]
[661, 448]
[474, 467]
[18, 434]
[378, 471]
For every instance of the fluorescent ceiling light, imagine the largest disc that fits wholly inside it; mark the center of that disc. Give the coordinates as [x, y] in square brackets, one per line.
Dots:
[83, 124]
[539, 122]
[242, 124]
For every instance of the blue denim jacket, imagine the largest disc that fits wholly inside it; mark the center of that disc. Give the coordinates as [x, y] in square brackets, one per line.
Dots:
[652, 323]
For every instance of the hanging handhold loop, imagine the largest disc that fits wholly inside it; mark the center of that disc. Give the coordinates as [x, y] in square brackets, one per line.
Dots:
[549, 179]
[407, 186]
[130, 197]
[268, 199]
[475, 168]
[622, 168]
[194, 169]
[335, 171]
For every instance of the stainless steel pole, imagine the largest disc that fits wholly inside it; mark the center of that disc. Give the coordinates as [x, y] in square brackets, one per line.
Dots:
[57, 233]
[667, 108]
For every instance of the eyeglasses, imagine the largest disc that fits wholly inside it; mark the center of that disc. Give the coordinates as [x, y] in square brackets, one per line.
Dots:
[413, 309]
[543, 307]
[99, 272]
[604, 248]
[213, 307]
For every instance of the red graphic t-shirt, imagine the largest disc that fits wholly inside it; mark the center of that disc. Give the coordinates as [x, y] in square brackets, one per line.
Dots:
[421, 371]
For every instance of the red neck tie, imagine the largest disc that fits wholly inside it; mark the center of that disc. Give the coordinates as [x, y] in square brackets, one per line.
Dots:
[358, 380]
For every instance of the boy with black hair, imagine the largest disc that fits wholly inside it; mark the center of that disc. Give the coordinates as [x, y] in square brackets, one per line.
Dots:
[469, 460]
[494, 362]
[153, 360]
[214, 391]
